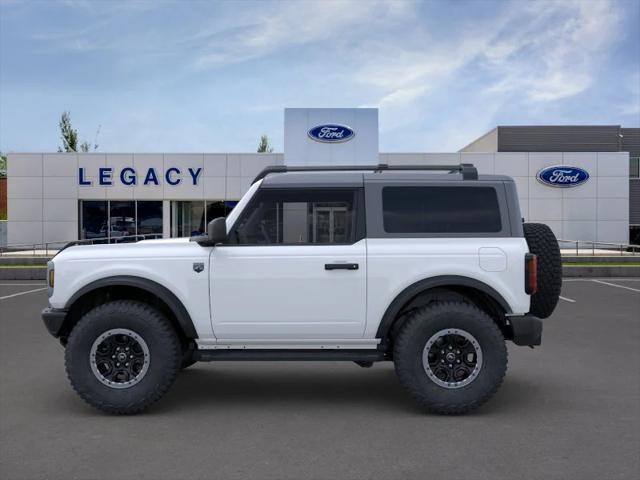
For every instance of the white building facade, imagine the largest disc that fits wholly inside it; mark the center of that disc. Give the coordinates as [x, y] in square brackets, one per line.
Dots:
[59, 197]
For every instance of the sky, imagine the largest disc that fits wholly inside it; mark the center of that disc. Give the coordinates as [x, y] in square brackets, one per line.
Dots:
[201, 76]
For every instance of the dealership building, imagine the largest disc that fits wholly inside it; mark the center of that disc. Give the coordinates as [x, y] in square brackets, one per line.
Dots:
[583, 181]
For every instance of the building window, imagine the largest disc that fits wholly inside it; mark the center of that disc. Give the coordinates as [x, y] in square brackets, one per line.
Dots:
[149, 218]
[634, 167]
[190, 219]
[119, 220]
[440, 210]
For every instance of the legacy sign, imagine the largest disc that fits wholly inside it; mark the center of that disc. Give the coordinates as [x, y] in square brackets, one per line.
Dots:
[129, 176]
[562, 176]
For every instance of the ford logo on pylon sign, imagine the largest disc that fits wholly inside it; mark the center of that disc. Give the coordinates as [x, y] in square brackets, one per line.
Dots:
[331, 133]
[563, 176]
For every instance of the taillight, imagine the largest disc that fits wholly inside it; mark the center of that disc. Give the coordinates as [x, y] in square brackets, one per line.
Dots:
[530, 273]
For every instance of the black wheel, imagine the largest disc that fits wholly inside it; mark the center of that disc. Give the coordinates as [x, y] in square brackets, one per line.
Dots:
[450, 356]
[543, 243]
[122, 356]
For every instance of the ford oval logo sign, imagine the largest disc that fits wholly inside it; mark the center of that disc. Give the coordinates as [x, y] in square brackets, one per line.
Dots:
[331, 133]
[563, 176]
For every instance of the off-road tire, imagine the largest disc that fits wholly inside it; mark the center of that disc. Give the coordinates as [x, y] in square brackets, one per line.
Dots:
[543, 243]
[165, 356]
[414, 334]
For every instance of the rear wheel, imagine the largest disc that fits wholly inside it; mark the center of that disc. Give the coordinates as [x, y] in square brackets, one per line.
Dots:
[122, 356]
[450, 356]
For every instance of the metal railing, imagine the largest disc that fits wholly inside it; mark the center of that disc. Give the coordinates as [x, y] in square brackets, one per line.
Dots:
[52, 247]
[589, 247]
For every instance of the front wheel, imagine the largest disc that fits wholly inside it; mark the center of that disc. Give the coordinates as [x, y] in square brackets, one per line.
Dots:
[122, 356]
[450, 356]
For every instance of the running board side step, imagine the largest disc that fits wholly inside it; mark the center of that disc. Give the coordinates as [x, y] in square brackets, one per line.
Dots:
[290, 355]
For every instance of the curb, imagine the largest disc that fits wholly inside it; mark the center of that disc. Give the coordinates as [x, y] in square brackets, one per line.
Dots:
[23, 273]
[601, 271]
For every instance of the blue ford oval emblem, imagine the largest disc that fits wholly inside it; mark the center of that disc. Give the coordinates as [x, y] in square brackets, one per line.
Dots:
[563, 176]
[331, 133]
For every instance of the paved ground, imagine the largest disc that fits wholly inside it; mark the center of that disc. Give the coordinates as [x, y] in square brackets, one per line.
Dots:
[567, 410]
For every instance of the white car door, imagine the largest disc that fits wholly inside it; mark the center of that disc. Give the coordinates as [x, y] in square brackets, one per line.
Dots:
[294, 268]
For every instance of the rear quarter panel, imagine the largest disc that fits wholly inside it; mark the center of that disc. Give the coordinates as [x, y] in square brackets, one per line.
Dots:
[395, 264]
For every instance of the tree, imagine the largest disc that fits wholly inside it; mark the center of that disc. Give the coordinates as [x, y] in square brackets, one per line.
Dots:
[69, 136]
[264, 146]
[3, 165]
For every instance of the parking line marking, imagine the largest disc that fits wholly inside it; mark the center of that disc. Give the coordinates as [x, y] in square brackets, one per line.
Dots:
[20, 284]
[567, 299]
[36, 290]
[615, 285]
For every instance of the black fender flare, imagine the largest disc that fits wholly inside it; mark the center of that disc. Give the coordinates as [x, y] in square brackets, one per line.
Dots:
[420, 286]
[167, 296]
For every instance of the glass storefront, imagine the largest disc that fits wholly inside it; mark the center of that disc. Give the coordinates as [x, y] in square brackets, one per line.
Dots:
[190, 219]
[113, 220]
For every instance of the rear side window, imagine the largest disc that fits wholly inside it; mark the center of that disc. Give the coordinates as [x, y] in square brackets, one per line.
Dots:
[440, 210]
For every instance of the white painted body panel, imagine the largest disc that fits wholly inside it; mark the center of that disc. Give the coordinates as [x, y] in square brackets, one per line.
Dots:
[284, 292]
[395, 264]
[166, 262]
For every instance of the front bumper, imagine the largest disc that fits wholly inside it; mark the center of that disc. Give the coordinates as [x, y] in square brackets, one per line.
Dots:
[53, 319]
[527, 330]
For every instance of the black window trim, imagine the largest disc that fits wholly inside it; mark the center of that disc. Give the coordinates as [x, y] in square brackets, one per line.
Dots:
[359, 219]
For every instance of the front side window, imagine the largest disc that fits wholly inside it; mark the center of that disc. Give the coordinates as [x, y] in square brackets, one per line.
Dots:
[440, 210]
[292, 217]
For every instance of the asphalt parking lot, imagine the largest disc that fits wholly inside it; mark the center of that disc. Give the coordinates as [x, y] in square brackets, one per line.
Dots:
[569, 409]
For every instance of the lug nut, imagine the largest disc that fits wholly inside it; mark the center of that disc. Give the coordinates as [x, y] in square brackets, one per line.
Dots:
[113, 356]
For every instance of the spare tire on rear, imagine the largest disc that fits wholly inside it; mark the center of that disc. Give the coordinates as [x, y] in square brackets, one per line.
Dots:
[543, 243]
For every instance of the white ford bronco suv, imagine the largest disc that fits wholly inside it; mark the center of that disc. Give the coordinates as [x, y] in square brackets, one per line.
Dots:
[433, 271]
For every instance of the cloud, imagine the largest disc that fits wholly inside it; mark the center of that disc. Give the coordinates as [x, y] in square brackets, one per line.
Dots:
[255, 34]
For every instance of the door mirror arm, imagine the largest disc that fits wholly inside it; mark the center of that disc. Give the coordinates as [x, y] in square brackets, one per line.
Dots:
[216, 233]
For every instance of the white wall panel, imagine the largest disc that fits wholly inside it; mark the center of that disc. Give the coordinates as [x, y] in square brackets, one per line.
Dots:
[538, 190]
[233, 164]
[579, 209]
[543, 209]
[613, 187]
[613, 164]
[24, 165]
[215, 165]
[214, 188]
[24, 187]
[23, 232]
[61, 187]
[60, 231]
[24, 209]
[586, 160]
[512, 164]
[233, 188]
[613, 209]
[578, 230]
[60, 165]
[614, 231]
[60, 210]
[540, 160]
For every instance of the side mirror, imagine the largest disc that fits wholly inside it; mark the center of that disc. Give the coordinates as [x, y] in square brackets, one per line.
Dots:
[217, 230]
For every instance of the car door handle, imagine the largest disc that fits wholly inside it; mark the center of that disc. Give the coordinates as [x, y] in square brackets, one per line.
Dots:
[341, 266]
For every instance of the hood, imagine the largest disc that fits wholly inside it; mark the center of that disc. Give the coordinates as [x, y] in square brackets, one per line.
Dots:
[166, 247]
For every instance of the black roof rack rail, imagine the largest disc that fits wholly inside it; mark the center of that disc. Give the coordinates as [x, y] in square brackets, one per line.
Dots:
[468, 171]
